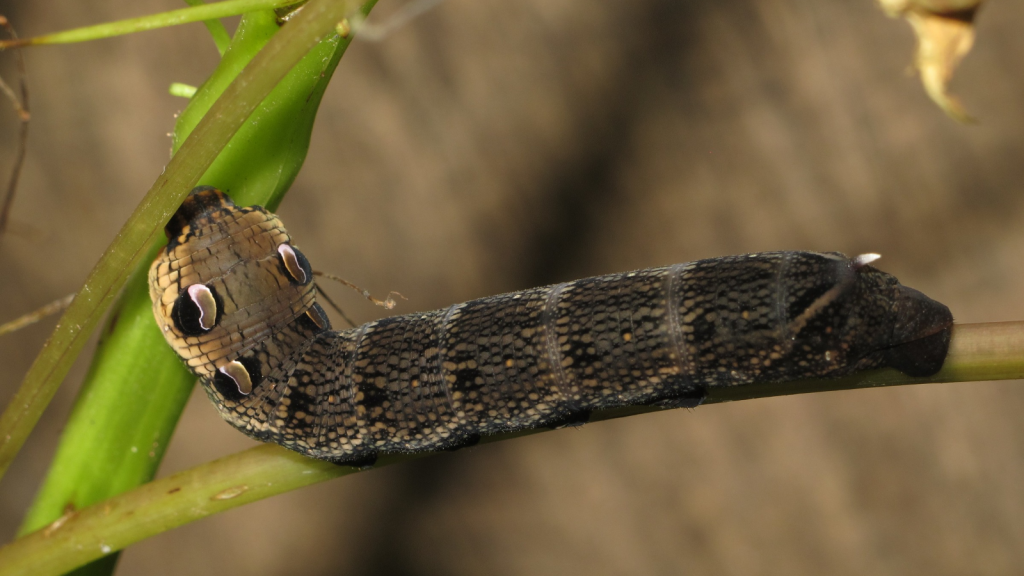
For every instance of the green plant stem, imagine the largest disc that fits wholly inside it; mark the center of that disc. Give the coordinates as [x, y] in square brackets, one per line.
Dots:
[144, 227]
[220, 35]
[200, 13]
[136, 387]
[164, 504]
[121, 423]
[978, 351]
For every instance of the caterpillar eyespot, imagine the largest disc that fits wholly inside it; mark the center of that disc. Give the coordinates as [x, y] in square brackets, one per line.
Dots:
[195, 310]
[240, 381]
[544, 357]
[295, 264]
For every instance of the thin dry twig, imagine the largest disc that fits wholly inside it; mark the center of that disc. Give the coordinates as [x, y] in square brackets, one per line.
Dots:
[378, 32]
[21, 107]
[37, 315]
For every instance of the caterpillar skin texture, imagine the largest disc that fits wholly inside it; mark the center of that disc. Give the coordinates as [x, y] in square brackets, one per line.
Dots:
[236, 301]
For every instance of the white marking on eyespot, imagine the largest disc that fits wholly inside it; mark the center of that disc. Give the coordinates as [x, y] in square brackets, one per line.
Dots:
[203, 298]
[239, 375]
[291, 263]
[317, 317]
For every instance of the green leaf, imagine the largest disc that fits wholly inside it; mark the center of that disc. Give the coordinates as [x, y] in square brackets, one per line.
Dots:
[121, 381]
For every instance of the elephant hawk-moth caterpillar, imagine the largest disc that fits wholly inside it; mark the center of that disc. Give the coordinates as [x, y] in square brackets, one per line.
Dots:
[236, 301]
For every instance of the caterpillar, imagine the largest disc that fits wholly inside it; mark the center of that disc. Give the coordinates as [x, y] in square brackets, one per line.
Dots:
[235, 299]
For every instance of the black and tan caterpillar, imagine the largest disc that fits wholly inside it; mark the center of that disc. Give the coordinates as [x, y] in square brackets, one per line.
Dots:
[235, 299]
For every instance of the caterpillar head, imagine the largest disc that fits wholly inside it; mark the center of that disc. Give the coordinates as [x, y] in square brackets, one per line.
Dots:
[224, 289]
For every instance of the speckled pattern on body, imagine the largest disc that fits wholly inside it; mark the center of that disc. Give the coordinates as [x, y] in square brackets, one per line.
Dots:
[542, 357]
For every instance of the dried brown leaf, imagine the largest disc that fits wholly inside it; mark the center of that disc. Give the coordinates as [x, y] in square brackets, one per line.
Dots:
[945, 34]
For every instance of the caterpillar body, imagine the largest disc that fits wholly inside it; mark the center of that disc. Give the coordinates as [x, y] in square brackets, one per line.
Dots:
[235, 299]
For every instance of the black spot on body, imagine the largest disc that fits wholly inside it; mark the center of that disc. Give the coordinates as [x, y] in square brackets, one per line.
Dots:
[226, 387]
[202, 200]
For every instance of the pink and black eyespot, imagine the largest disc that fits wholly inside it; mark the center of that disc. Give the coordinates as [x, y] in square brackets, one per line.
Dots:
[315, 319]
[238, 378]
[196, 310]
[295, 265]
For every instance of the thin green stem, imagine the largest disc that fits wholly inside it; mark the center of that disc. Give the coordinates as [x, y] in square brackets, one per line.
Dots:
[977, 352]
[200, 13]
[161, 505]
[145, 225]
[220, 35]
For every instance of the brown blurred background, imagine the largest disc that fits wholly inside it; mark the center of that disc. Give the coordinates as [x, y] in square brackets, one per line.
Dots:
[492, 146]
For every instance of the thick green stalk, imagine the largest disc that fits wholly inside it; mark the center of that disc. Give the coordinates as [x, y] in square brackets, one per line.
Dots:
[144, 228]
[120, 426]
[978, 351]
[261, 162]
[136, 387]
[112, 441]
